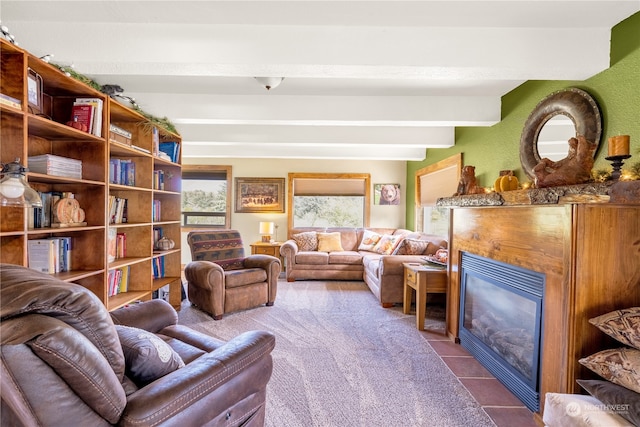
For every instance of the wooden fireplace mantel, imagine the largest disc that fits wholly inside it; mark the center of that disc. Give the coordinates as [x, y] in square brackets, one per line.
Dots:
[590, 255]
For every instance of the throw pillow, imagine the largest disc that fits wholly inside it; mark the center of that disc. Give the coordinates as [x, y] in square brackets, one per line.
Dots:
[307, 241]
[622, 325]
[623, 401]
[329, 242]
[369, 240]
[618, 365]
[411, 247]
[147, 357]
[387, 244]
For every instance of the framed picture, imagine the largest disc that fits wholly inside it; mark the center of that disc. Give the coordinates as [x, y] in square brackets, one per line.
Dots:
[34, 91]
[386, 194]
[259, 195]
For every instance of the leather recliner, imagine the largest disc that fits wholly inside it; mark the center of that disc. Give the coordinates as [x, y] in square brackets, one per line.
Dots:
[62, 362]
[220, 279]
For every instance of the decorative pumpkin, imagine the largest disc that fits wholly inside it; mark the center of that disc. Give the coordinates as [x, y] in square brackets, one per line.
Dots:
[506, 182]
[68, 211]
[164, 244]
[77, 125]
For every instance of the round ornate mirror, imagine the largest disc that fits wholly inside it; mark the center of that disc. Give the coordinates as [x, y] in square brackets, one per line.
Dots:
[578, 107]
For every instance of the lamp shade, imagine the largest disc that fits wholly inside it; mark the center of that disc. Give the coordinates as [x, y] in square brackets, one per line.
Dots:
[14, 189]
[266, 228]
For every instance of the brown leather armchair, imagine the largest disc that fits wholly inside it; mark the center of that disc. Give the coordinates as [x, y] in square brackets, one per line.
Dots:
[62, 362]
[221, 279]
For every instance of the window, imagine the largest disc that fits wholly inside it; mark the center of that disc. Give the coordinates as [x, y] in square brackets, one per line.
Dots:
[329, 200]
[432, 182]
[206, 196]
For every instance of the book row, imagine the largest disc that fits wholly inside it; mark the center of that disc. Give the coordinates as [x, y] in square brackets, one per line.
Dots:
[116, 245]
[122, 171]
[86, 115]
[117, 210]
[118, 280]
[51, 255]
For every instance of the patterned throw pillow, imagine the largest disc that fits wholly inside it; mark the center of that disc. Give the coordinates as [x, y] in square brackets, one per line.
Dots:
[622, 325]
[369, 240]
[387, 244]
[147, 357]
[329, 242]
[307, 241]
[618, 365]
[411, 247]
[616, 396]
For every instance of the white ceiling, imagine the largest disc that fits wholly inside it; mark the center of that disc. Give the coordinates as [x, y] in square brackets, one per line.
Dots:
[363, 79]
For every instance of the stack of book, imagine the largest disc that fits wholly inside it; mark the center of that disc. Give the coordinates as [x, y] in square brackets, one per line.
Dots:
[88, 112]
[122, 171]
[171, 149]
[10, 101]
[117, 210]
[56, 165]
[117, 134]
[51, 255]
[158, 267]
[156, 211]
[118, 280]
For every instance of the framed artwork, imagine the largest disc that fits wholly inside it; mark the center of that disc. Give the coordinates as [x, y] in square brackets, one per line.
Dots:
[386, 194]
[259, 195]
[34, 91]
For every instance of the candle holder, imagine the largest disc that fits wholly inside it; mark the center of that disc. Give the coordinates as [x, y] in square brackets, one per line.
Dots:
[616, 163]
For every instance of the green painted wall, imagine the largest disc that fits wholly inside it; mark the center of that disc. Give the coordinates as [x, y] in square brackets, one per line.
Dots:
[492, 149]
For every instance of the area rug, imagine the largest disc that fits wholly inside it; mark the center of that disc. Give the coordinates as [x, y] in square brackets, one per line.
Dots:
[343, 360]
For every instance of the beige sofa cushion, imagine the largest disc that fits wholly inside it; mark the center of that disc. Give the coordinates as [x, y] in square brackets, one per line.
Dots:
[312, 257]
[345, 257]
[329, 242]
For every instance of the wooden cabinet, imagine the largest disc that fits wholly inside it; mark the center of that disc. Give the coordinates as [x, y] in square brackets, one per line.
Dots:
[263, 248]
[27, 132]
[589, 254]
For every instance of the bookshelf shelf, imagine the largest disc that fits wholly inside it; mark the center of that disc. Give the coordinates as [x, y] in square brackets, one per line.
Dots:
[41, 131]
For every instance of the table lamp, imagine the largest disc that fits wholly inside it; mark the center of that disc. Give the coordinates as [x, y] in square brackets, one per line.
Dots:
[266, 230]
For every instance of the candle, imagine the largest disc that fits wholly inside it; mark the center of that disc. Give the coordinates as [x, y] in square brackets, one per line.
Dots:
[619, 145]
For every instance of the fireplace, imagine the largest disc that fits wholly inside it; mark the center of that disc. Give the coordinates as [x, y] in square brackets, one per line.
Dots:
[501, 322]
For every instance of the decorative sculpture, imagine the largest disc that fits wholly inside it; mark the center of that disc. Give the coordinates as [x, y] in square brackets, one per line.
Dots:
[573, 169]
[468, 183]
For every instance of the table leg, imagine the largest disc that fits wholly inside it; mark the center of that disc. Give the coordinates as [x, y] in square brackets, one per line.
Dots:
[406, 304]
[421, 303]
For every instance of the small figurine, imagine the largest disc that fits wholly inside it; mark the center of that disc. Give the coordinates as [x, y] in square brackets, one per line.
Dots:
[468, 183]
[573, 169]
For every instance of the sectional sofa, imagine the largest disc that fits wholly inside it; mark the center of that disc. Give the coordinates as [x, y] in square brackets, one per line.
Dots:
[374, 255]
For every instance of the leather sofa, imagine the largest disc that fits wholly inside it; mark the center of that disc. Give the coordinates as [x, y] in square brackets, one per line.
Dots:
[65, 360]
[383, 273]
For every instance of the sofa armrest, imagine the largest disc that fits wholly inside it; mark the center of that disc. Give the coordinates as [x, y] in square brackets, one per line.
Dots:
[288, 250]
[204, 274]
[266, 262]
[200, 390]
[151, 315]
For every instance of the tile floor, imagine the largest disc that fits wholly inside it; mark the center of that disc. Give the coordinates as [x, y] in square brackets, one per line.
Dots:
[496, 400]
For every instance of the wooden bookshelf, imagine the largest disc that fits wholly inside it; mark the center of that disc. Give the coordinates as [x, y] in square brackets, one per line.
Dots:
[27, 132]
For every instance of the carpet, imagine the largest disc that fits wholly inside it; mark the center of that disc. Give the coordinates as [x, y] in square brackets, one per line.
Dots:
[343, 360]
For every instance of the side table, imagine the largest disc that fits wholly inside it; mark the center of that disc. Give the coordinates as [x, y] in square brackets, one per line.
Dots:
[273, 249]
[425, 279]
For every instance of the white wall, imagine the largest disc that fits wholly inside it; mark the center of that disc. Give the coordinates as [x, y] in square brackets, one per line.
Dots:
[382, 172]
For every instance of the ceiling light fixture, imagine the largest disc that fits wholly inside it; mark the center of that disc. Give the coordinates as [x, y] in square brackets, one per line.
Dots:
[269, 82]
[14, 189]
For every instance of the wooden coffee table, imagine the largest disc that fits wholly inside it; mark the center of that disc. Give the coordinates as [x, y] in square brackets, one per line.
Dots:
[425, 279]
